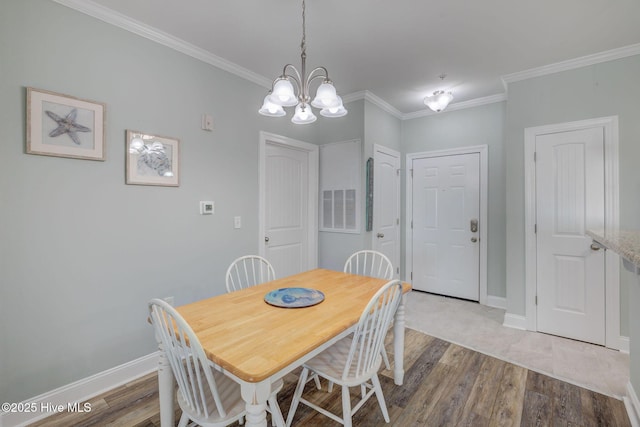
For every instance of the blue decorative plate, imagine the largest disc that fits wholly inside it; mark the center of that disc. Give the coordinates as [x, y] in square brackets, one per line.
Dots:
[294, 297]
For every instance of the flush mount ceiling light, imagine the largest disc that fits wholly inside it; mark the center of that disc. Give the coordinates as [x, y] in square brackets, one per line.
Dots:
[283, 93]
[439, 100]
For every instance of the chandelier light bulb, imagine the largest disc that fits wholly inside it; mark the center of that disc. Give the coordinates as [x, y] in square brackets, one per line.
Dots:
[438, 101]
[303, 115]
[270, 109]
[326, 96]
[337, 111]
[283, 93]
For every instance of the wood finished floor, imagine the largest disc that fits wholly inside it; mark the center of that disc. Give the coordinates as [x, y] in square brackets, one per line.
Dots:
[445, 385]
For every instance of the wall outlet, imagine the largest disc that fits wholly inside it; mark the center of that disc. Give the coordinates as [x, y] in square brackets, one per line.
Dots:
[207, 122]
[169, 300]
[237, 222]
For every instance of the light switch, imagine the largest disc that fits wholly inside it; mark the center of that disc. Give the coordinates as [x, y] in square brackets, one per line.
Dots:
[237, 222]
[207, 208]
[207, 122]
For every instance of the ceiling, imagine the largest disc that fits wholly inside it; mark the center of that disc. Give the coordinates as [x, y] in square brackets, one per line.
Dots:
[395, 50]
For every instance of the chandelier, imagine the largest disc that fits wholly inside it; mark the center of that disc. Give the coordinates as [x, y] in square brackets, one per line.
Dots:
[439, 100]
[283, 93]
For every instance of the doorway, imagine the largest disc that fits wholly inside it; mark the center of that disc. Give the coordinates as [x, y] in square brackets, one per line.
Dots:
[288, 204]
[386, 205]
[446, 222]
[571, 185]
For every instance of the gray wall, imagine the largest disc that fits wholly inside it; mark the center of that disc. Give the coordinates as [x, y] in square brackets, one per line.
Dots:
[601, 90]
[474, 126]
[81, 253]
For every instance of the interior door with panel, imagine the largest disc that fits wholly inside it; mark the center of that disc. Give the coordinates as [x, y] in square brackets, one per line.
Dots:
[386, 205]
[446, 221]
[570, 199]
[287, 218]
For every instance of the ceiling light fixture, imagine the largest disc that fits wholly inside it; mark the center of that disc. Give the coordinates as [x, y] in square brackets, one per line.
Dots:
[439, 100]
[283, 94]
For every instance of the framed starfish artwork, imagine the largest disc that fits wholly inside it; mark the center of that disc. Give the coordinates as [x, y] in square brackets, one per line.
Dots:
[152, 159]
[65, 126]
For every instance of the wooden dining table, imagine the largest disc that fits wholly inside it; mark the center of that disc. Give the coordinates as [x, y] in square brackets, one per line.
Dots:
[256, 343]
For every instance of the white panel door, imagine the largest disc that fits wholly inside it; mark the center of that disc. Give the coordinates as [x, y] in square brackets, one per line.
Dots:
[386, 205]
[569, 200]
[286, 209]
[446, 202]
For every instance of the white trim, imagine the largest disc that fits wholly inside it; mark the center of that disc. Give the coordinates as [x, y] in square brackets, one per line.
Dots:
[624, 344]
[632, 404]
[375, 100]
[500, 97]
[597, 58]
[127, 23]
[497, 302]
[82, 390]
[515, 321]
[612, 260]
[313, 152]
[484, 219]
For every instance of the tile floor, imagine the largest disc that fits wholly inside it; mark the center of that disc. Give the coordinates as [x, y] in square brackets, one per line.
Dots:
[480, 328]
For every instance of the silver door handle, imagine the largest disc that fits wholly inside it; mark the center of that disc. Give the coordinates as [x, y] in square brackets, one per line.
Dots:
[266, 240]
[473, 239]
[380, 235]
[595, 247]
[473, 225]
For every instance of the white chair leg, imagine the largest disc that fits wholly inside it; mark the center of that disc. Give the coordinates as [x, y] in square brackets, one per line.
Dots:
[386, 359]
[380, 396]
[330, 387]
[184, 420]
[346, 406]
[316, 378]
[296, 396]
[276, 414]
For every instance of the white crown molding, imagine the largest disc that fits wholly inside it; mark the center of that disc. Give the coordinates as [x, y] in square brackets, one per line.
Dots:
[458, 106]
[112, 17]
[571, 64]
[375, 100]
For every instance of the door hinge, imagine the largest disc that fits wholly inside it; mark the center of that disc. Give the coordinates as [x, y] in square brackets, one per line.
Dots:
[411, 173]
[535, 156]
[535, 228]
[398, 172]
[397, 221]
[412, 276]
[536, 301]
[412, 224]
[398, 270]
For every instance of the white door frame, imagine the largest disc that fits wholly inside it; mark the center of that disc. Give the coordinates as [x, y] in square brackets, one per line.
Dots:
[612, 260]
[484, 219]
[390, 152]
[312, 193]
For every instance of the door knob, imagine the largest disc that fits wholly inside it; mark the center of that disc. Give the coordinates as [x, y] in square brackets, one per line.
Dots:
[473, 239]
[380, 235]
[266, 240]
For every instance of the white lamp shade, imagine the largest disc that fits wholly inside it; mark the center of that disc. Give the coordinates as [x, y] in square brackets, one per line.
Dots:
[325, 96]
[438, 101]
[283, 93]
[270, 109]
[337, 111]
[303, 115]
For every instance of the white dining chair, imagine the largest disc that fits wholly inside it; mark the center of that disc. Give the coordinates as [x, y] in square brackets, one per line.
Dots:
[354, 360]
[369, 263]
[373, 264]
[249, 270]
[205, 395]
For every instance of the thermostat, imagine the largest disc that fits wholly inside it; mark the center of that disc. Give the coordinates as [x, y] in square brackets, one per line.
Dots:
[206, 208]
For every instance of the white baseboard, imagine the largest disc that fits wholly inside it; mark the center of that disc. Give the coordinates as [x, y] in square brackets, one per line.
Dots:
[515, 321]
[632, 404]
[497, 302]
[623, 344]
[80, 391]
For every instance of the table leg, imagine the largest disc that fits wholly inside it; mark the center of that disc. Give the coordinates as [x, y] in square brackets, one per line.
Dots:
[398, 344]
[255, 396]
[166, 387]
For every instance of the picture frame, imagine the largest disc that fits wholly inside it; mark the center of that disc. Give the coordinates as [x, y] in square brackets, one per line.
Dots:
[65, 126]
[152, 159]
